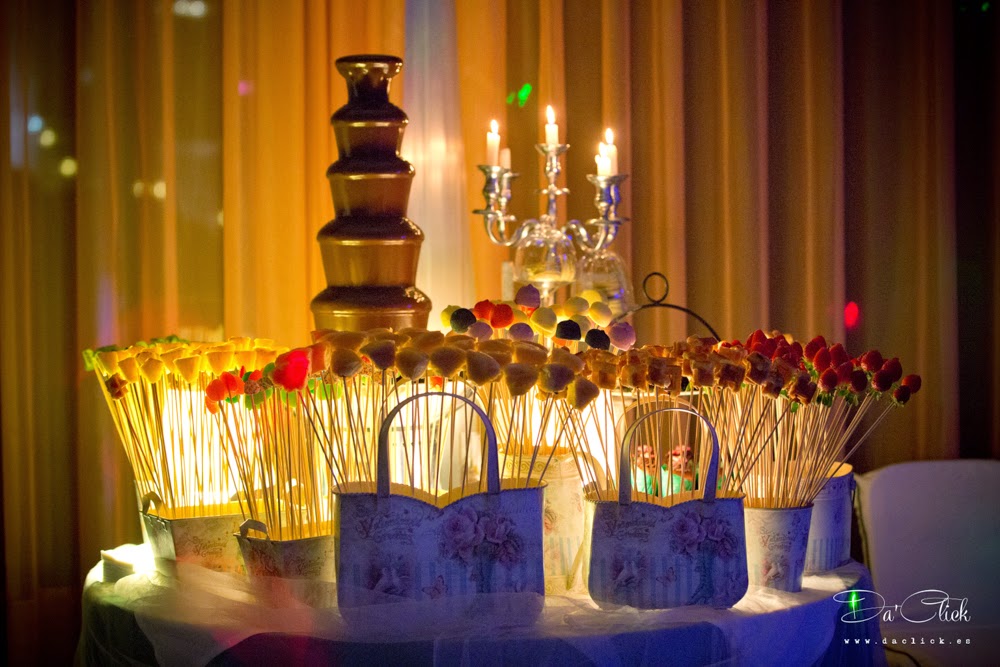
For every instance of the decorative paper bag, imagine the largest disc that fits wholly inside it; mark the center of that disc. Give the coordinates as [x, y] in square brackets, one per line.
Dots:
[674, 552]
[206, 541]
[392, 547]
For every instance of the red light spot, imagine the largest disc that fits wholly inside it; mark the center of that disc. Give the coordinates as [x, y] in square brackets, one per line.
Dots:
[851, 315]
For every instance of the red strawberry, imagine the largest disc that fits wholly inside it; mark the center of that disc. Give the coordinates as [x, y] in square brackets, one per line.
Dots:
[813, 346]
[292, 368]
[757, 336]
[483, 310]
[797, 349]
[822, 360]
[912, 382]
[225, 386]
[502, 316]
[829, 380]
[871, 360]
[766, 347]
[882, 380]
[844, 372]
[893, 368]
[792, 358]
[902, 394]
[838, 355]
[859, 380]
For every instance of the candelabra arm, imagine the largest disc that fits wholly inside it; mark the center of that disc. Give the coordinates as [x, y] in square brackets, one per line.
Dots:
[593, 235]
[501, 227]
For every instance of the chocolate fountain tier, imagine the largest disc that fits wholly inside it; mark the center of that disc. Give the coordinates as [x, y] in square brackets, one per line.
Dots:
[370, 195]
[373, 251]
[363, 308]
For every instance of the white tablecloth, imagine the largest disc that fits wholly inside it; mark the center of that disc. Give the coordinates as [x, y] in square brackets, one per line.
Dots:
[206, 617]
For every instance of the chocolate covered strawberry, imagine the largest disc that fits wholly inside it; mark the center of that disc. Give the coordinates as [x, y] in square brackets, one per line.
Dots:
[813, 346]
[872, 361]
[912, 382]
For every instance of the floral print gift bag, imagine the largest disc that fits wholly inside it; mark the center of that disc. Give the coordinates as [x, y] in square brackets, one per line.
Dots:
[669, 552]
[403, 544]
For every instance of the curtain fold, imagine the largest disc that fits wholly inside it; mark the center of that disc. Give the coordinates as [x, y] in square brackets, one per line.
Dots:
[279, 88]
[658, 181]
[900, 229]
[434, 144]
[480, 30]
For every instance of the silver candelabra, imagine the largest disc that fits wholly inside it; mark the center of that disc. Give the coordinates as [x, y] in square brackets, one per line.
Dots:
[544, 253]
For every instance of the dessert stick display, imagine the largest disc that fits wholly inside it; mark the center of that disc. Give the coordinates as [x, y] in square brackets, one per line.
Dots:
[283, 483]
[854, 396]
[155, 394]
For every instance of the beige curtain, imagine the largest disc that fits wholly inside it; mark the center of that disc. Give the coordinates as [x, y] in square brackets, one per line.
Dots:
[766, 198]
[162, 172]
[279, 88]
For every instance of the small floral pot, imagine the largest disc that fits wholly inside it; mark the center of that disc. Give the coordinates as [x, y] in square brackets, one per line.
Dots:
[776, 546]
[563, 526]
[675, 551]
[441, 556]
[205, 541]
[306, 558]
[830, 528]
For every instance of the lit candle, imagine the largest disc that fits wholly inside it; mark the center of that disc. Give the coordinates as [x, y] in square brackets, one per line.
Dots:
[603, 163]
[610, 151]
[505, 158]
[551, 129]
[493, 144]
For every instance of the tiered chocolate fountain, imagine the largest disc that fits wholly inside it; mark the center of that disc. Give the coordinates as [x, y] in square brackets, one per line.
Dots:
[370, 249]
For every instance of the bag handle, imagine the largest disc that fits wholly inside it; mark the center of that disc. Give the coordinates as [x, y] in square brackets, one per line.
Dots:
[151, 498]
[253, 524]
[638, 404]
[492, 459]
[625, 467]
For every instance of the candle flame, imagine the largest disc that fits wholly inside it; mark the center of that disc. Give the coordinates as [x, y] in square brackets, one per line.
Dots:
[495, 127]
[550, 115]
[609, 137]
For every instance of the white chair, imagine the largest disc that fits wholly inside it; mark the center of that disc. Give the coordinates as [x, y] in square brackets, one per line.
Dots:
[935, 525]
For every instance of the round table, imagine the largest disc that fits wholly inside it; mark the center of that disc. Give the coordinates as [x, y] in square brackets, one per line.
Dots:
[207, 617]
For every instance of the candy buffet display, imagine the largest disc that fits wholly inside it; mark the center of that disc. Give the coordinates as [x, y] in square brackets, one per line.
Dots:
[531, 447]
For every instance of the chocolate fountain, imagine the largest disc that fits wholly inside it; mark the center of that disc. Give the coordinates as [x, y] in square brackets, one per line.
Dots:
[370, 249]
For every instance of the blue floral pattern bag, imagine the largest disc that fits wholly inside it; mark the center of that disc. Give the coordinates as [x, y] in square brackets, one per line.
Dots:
[398, 545]
[672, 552]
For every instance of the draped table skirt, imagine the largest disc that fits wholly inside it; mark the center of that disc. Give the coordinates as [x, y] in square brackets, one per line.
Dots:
[205, 617]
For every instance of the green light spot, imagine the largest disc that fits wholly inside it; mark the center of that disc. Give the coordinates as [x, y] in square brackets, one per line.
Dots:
[985, 6]
[510, 98]
[854, 602]
[523, 94]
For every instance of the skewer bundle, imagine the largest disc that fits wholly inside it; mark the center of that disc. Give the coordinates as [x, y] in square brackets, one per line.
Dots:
[282, 480]
[439, 443]
[854, 396]
[155, 393]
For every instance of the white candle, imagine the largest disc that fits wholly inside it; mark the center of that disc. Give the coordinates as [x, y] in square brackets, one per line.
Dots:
[551, 128]
[493, 144]
[610, 152]
[505, 158]
[603, 165]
